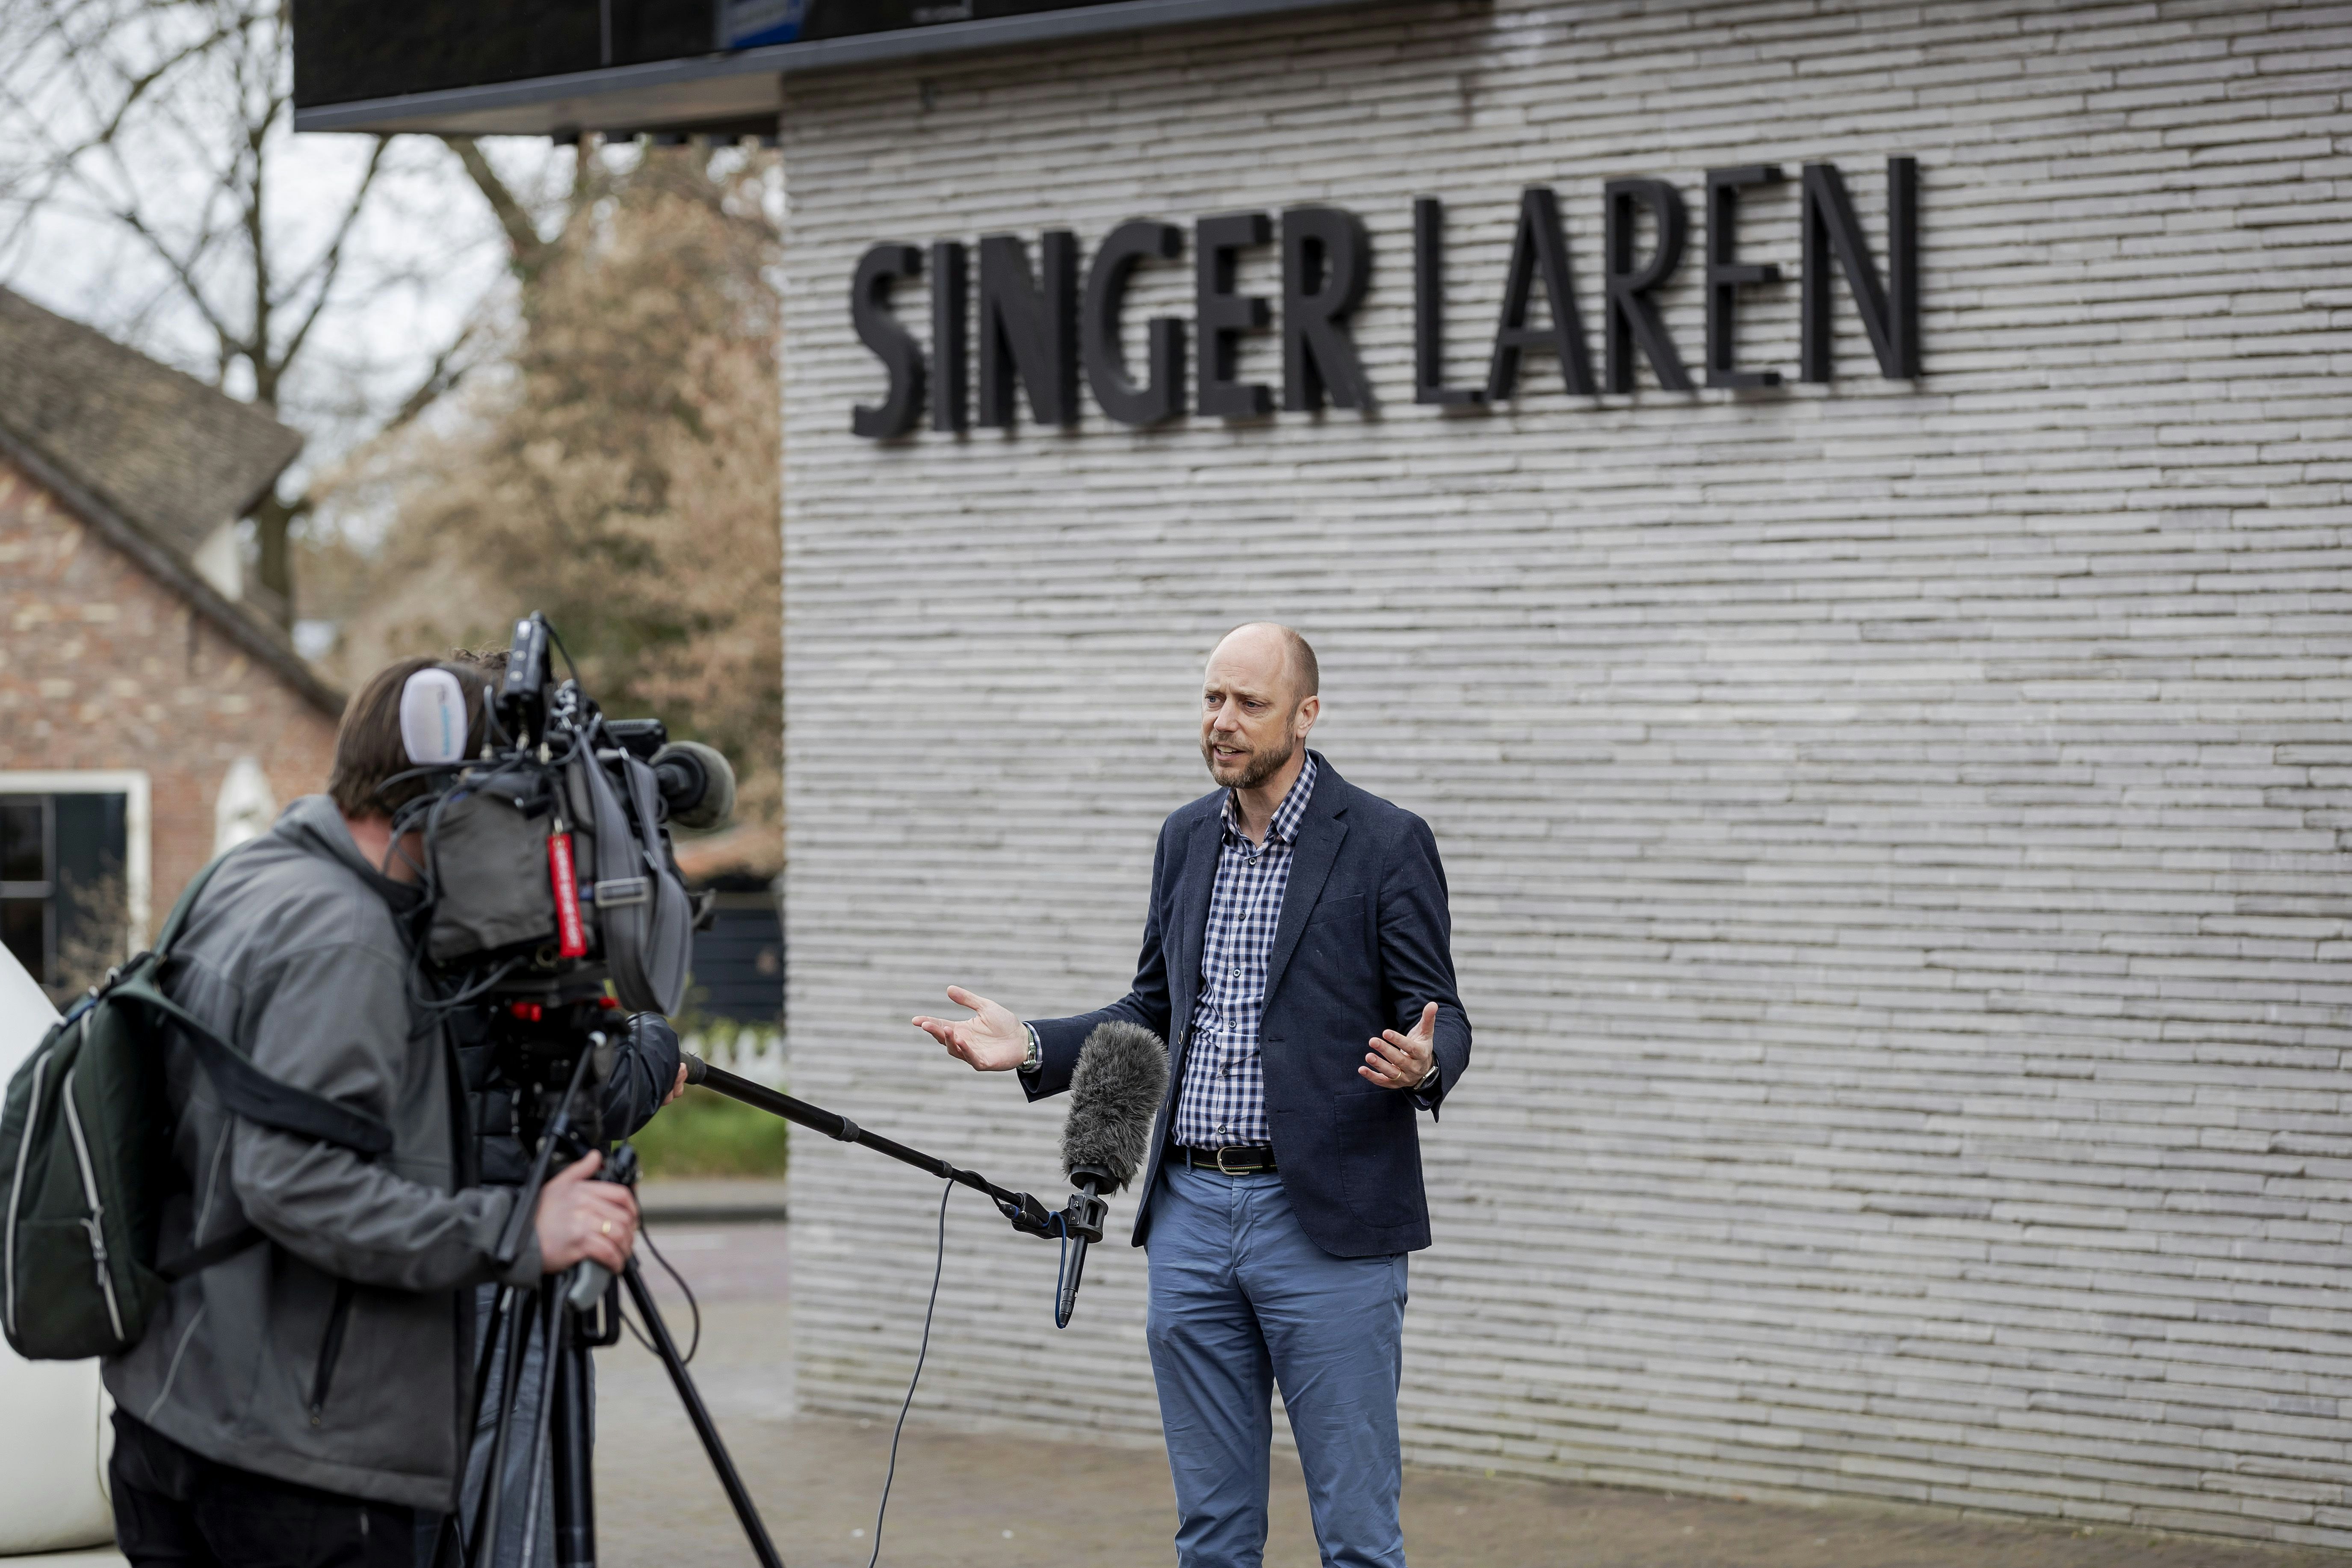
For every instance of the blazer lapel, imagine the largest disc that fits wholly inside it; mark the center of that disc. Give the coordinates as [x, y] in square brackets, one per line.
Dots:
[1320, 832]
[1199, 878]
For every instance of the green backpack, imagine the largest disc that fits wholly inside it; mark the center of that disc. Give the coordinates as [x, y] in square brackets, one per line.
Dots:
[86, 1157]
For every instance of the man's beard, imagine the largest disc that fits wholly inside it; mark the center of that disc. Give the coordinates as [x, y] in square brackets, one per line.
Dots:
[1260, 767]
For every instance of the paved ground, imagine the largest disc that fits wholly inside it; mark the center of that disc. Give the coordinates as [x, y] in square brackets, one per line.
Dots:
[966, 1502]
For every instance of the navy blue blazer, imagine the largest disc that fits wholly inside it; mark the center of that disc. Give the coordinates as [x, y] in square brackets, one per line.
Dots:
[1362, 945]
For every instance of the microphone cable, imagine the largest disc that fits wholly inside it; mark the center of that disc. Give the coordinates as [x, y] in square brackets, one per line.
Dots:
[937, 1268]
[646, 1234]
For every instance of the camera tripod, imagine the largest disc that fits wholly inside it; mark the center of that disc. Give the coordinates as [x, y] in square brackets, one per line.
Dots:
[580, 1312]
[569, 1315]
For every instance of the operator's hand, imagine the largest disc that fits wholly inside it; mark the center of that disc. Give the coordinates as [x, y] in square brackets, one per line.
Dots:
[580, 1218]
[679, 1088]
[1402, 1061]
[992, 1041]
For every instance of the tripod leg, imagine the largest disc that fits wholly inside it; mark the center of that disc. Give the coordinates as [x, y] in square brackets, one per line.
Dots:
[449, 1546]
[666, 1348]
[501, 1305]
[575, 1505]
[557, 1337]
[485, 1517]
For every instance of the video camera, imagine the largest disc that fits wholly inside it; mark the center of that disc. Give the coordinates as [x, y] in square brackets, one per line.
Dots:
[549, 868]
[553, 904]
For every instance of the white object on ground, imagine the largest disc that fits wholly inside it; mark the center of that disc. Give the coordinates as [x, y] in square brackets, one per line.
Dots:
[55, 1440]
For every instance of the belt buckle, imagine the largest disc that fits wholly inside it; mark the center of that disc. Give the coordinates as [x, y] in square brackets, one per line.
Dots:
[1221, 1166]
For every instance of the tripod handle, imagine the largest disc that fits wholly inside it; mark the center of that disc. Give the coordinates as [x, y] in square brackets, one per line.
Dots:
[588, 1284]
[589, 1280]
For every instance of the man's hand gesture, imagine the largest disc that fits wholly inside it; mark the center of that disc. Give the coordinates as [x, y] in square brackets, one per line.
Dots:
[1402, 1061]
[991, 1040]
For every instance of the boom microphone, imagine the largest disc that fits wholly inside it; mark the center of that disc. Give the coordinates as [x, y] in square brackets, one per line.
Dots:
[1115, 1097]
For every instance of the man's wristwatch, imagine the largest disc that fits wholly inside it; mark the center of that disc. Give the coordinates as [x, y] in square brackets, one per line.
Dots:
[1036, 1057]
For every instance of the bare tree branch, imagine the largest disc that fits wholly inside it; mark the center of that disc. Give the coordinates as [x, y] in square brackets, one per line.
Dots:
[266, 366]
[139, 85]
[528, 253]
[183, 271]
[439, 382]
[331, 261]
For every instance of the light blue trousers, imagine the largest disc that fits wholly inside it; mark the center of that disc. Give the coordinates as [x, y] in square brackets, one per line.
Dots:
[1241, 1301]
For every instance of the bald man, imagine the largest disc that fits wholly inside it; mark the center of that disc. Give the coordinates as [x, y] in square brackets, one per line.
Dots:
[1296, 957]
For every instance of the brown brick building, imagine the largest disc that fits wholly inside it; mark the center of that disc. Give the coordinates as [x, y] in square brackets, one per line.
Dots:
[148, 712]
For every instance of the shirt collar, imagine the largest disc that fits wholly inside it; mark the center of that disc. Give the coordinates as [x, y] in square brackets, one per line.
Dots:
[1283, 829]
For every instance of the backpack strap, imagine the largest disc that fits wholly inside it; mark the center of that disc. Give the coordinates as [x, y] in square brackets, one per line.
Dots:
[245, 1090]
[178, 918]
[253, 1094]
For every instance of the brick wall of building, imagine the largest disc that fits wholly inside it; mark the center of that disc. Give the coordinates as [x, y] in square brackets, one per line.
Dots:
[1895, 831]
[102, 667]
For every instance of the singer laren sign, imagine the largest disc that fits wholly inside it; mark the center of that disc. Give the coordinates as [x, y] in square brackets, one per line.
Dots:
[1041, 326]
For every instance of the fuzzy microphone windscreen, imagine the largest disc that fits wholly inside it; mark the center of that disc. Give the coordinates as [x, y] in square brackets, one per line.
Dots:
[1114, 1095]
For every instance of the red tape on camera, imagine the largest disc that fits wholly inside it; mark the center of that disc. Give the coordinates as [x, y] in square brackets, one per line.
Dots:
[571, 933]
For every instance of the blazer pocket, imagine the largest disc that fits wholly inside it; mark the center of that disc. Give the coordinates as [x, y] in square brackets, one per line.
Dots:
[1379, 1168]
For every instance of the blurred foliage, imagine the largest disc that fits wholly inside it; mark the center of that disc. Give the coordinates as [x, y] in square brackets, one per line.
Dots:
[93, 933]
[707, 1134]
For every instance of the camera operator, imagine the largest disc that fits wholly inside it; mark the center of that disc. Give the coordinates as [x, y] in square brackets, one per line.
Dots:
[647, 1074]
[303, 1400]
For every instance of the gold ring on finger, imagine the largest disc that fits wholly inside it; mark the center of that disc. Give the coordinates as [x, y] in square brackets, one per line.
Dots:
[608, 1228]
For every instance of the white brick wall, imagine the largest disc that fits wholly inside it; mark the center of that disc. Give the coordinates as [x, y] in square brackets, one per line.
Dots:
[1896, 832]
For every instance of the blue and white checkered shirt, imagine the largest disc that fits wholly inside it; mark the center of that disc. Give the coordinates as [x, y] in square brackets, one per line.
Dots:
[1223, 1099]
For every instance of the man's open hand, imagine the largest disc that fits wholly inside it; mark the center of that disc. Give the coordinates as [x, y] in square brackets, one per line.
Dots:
[1402, 1061]
[991, 1040]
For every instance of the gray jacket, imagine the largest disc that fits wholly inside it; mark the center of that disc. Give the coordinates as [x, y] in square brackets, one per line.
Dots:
[327, 1355]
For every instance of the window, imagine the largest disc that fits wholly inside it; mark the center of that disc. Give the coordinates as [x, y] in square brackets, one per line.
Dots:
[738, 962]
[73, 874]
[28, 890]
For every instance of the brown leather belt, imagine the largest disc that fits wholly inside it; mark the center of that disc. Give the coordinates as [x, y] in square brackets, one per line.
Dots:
[1235, 1159]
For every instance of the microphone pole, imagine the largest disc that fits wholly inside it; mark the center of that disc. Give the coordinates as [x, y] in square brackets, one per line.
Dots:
[1025, 1212]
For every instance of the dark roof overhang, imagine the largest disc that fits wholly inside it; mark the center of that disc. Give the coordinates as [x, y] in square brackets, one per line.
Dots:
[741, 93]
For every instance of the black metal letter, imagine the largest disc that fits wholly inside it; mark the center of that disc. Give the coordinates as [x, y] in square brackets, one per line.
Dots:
[1029, 328]
[1429, 309]
[1725, 274]
[869, 313]
[1327, 260]
[1161, 398]
[1889, 314]
[1221, 316]
[1633, 315]
[951, 337]
[1539, 243]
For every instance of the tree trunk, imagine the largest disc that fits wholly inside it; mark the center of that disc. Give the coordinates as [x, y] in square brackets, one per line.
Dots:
[273, 521]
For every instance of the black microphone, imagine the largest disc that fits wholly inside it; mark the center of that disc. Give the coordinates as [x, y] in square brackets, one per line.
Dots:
[696, 782]
[1114, 1096]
